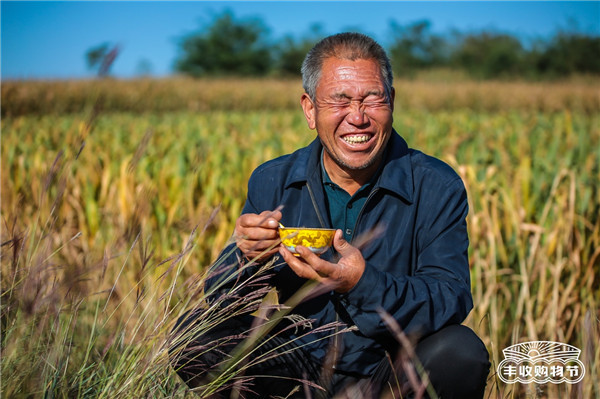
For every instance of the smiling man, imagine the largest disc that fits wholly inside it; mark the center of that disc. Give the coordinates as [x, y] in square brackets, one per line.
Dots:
[358, 176]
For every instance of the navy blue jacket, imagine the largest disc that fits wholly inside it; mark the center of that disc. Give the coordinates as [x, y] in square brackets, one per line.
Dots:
[417, 271]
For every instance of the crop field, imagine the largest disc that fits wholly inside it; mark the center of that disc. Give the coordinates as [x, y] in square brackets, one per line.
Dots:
[117, 196]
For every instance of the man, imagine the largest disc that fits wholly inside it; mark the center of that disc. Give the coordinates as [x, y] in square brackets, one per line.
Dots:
[358, 176]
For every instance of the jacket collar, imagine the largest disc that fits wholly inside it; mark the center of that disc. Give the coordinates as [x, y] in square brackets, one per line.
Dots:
[396, 175]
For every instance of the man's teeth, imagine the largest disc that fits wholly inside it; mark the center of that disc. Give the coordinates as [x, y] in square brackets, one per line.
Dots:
[357, 139]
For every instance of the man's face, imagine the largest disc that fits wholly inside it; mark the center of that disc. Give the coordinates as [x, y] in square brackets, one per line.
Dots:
[352, 114]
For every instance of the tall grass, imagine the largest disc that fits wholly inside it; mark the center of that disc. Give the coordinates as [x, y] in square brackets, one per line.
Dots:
[108, 227]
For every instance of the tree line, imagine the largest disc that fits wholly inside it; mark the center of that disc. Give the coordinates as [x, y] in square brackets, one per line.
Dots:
[232, 47]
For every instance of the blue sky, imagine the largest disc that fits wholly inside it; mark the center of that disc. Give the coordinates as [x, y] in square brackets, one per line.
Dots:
[47, 40]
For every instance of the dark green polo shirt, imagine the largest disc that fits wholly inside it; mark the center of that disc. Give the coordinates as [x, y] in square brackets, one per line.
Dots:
[343, 208]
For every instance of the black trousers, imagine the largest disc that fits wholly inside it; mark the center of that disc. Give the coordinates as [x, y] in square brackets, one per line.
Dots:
[455, 359]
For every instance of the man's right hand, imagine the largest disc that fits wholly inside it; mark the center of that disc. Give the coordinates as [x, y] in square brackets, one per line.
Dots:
[255, 233]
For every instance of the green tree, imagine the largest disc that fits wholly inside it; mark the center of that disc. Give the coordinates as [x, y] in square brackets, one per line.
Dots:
[490, 55]
[290, 52]
[101, 58]
[227, 47]
[414, 47]
[569, 53]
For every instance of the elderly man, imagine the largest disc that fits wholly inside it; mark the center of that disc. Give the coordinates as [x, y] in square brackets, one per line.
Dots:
[358, 175]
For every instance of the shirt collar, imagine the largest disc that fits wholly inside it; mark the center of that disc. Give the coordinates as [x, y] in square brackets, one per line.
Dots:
[327, 179]
[396, 170]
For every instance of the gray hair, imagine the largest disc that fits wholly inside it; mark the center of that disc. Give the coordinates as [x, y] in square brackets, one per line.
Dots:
[349, 46]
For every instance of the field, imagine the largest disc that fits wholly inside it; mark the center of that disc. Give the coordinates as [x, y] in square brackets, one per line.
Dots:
[116, 197]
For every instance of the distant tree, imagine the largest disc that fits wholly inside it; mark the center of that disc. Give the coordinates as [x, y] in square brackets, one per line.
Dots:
[414, 47]
[95, 55]
[569, 53]
[290, 52]
[490, 55]
[101, 58]
[227, 47]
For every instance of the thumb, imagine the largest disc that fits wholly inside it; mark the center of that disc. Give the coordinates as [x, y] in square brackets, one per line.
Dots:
[340, 244]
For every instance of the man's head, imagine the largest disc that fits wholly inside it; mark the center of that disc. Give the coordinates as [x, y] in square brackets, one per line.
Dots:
[349, 46]
[349, 100]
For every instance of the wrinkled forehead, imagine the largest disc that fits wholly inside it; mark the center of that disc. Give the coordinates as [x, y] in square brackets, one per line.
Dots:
[339, 74]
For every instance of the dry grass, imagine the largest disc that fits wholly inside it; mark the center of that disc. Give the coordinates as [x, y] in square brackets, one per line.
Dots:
[199, 95]
[108, 224]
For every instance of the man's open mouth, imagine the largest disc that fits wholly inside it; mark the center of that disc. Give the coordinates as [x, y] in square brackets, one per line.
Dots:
[357, 138]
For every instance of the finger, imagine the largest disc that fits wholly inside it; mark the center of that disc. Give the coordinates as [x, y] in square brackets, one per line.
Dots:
[270, 219]
[308, 255]
[257, 233]
[320, 266]
[274, 214]
[258, 227]
[250, 245]
[343, 247]
[263, 220]
[305, 270]
[301, 268]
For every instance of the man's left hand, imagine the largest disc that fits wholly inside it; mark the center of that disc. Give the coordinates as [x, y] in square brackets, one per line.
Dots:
[343, 275]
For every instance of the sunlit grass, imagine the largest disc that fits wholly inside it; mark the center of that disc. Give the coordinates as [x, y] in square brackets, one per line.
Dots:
[108, 228]
[203, 95]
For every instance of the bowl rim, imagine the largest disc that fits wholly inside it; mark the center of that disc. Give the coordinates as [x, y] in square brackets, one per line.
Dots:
[307, 228]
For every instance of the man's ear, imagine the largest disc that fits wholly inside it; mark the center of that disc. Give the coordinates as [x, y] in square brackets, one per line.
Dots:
[392, 98]
[309, 110]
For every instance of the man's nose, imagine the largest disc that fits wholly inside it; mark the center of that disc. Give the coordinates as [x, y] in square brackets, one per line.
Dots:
[357, 115]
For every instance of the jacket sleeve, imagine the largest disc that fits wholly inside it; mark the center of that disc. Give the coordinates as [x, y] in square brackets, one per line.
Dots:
[438, 293]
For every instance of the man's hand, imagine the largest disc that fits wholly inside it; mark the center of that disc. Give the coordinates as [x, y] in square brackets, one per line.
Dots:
[342, 275]
[255, 233]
